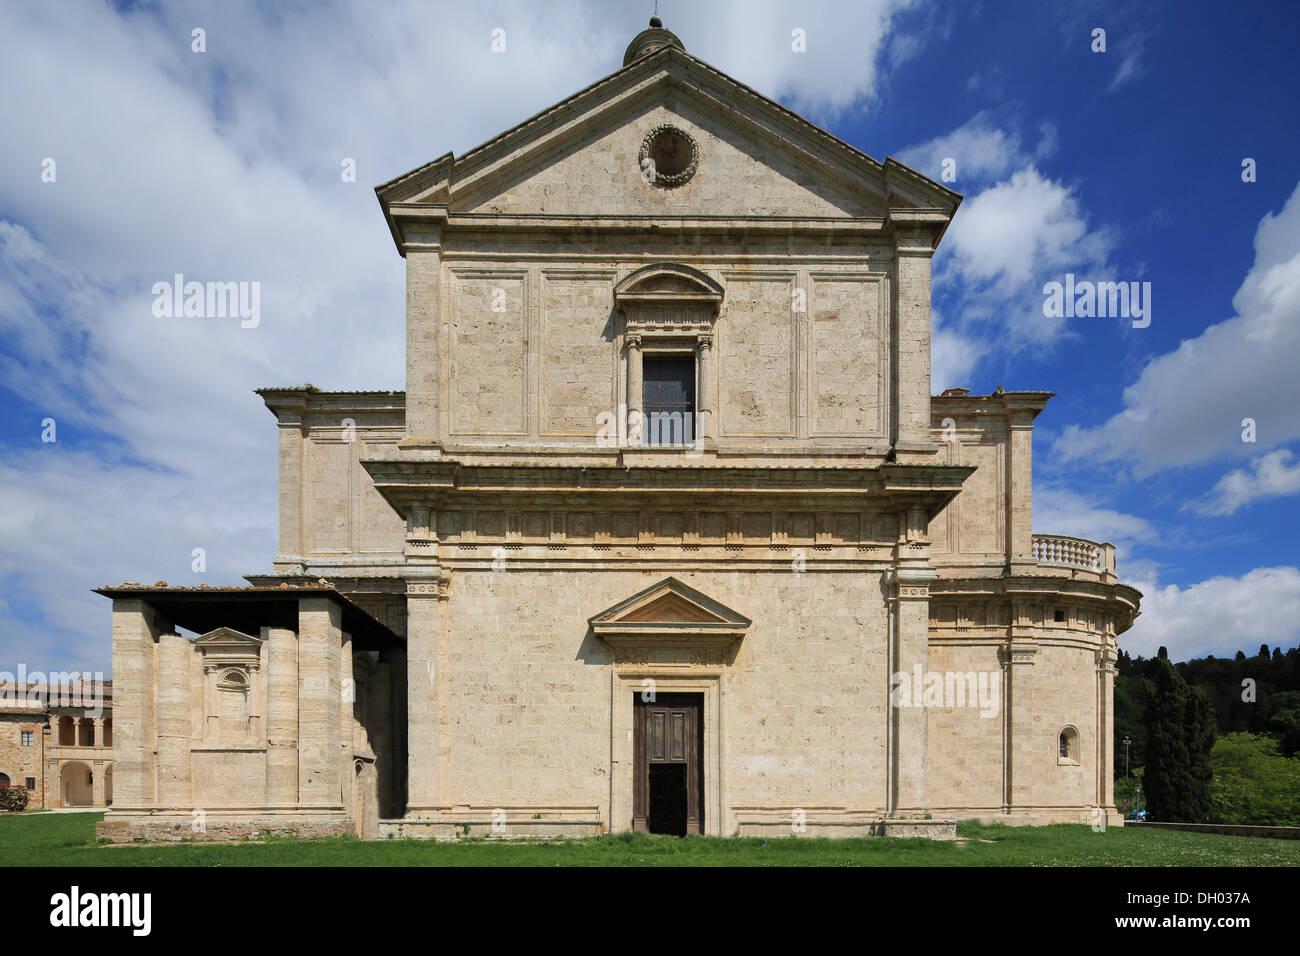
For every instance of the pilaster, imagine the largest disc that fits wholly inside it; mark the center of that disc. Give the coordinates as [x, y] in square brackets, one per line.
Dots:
[1020, 477]
[425, 591]
[634, 390]
[1018, 657]
[1106, 658]
[704, 390]
[423, 250]
[910, 649]
[913, 250]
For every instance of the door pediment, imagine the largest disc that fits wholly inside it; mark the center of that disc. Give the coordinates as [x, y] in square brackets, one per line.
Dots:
[670, 613]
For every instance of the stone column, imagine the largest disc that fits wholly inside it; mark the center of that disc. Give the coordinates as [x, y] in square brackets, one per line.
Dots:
[319, 638]
[1018, 665]
[704, 391]
[347, 720]
[912, 441]
[910, 724]
[634, 389]
[134, 631]
[97, 784]
[423, 249]
[175, 721]
[281, 716]
[422, 622]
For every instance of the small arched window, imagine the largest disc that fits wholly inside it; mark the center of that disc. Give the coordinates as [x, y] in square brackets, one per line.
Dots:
[1068, 747]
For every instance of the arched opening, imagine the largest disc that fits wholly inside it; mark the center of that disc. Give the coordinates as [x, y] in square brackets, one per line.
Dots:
[359, 802]
[4, 779]
[86, 732]
[108, 731]
[76, 785]
[232, 703]
[1068, 746]
[108, 785]
[67, 732]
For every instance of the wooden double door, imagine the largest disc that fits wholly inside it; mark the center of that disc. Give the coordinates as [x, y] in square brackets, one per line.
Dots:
[668, 744]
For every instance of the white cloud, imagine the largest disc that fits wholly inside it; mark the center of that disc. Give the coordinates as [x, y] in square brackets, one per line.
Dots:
[1010, 233]
[1219, 616]
[1005, 241]
[1058, 510]
[953, 356]
[1270, 478]
[752, 40]
[980, 149]
[1187, 406]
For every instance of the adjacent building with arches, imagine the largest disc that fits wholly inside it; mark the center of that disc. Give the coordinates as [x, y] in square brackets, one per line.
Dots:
[56, 741]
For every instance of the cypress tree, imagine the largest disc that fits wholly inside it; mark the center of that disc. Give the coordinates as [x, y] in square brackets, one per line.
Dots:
[1180, 724]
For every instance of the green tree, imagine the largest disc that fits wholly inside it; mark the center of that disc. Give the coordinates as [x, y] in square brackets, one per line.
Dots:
[1253, 783]
[1180, 735]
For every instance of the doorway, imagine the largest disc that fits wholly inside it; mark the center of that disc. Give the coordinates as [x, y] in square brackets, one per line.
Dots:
[668, 787]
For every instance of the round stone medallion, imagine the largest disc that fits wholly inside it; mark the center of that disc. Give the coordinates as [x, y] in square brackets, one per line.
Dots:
[668, 157]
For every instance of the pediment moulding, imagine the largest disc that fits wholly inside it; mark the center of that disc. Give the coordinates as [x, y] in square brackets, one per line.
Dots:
[670, 613]
[668, 74]
[224, 648]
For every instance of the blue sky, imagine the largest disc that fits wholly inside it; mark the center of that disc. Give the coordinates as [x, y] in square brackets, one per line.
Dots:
[1123, 165]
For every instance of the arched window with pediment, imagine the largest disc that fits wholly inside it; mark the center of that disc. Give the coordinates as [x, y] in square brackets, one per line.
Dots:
[667, 312]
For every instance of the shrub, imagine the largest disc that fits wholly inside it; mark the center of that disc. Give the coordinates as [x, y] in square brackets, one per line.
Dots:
[13, 798]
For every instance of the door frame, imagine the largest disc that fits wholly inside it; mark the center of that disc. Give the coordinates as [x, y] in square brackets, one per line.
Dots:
[642, 791]
[626, 683]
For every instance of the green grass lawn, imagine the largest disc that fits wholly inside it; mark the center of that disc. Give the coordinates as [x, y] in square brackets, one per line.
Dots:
[52, 839]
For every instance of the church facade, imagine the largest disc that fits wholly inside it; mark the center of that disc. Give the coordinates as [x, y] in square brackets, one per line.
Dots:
[666, 532]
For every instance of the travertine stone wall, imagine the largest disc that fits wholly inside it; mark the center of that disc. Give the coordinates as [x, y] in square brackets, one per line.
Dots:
[533, 355]
[330, 513]
[525, 706]
[989, 524]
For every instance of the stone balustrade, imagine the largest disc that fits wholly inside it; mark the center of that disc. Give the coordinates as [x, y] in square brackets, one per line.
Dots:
[1065, 551]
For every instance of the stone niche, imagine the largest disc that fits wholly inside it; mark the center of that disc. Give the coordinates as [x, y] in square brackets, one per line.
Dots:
[233, 690]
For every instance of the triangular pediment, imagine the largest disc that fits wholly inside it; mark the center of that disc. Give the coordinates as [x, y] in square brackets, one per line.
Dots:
[670, 608]
[584, 156]
[227, 637]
